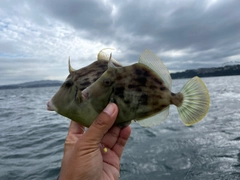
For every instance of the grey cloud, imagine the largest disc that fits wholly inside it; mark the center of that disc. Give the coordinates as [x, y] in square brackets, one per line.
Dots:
[186, 26]
[90, 16]
[205, 32]
[169, 25]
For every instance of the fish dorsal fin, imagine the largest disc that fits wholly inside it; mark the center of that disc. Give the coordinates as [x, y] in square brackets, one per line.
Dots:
[104, 56]
[152, 61]
[155, 119]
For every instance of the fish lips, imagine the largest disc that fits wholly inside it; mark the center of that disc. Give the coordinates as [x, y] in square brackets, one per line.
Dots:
[50, 106]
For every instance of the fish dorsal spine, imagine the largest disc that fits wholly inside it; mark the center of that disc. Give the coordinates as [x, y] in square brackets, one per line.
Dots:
[103, 55]
[106, 57]
[149, 59]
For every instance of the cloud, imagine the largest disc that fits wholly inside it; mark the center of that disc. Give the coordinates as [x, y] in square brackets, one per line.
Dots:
[41, 35]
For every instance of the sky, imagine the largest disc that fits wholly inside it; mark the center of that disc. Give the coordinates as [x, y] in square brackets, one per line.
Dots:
[37, 37]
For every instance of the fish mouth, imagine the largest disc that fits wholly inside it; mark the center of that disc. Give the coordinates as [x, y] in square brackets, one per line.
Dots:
[50, 106]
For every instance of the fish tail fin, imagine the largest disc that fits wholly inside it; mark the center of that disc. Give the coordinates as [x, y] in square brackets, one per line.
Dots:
[195, 103]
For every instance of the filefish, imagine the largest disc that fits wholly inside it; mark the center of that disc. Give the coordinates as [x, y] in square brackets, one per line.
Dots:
[142, 92]
[81, 78]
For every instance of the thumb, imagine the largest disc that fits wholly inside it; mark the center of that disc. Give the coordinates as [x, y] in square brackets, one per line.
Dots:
[102, 124]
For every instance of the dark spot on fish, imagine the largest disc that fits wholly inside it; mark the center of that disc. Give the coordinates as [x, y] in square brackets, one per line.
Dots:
[138, 89]
[163, 88]
[163, 106]
[158, 81]
[144, 99]
[142, 81]
[95, 79]
[127, 101]
[103, 66]
[131, 86]
[141, 72]
[146, 73]
[138, 71]
[86, 79]
[158, 96]
[85, 84]
[154, 103]
[118, 78]
[99, 73]
[119, 91]
[152, 87]
[84, 73]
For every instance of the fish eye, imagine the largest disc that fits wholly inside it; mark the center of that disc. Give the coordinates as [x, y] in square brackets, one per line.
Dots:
[68, 83]
[107, 82]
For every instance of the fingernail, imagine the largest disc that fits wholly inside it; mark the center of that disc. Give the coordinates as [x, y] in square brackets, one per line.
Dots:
[109, 109]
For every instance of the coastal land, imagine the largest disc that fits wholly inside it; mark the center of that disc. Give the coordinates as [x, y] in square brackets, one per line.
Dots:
[229, 70]
[33, 84]
[208, 72]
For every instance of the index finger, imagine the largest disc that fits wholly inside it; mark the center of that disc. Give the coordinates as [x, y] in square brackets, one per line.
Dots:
[122, 140]
[75, 128]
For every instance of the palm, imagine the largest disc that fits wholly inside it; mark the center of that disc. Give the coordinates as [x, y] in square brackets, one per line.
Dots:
[111, 166]
[84, 154]
[114, 142]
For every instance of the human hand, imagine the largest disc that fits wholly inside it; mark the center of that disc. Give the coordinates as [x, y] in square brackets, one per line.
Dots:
[96, 153]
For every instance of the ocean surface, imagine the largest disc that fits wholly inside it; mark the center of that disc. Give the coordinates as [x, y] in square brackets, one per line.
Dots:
[32, 138]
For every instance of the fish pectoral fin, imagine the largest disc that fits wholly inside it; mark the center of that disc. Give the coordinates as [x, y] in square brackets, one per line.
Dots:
[155, 119]
[149, 59]
[79, 97]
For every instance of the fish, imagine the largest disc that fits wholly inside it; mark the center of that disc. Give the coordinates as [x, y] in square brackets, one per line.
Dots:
[87, 75]
[142, 92]
[82, 77]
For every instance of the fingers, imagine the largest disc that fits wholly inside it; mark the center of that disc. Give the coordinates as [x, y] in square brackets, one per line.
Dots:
[102, 124]
[74, 132]
[111, 137]
[122, 140]
[75, 128]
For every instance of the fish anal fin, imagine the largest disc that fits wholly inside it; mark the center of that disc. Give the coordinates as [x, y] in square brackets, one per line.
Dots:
[155, 119]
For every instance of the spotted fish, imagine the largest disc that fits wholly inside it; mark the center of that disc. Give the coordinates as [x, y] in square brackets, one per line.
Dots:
[89, 74]
[142, 92]
[77, 80]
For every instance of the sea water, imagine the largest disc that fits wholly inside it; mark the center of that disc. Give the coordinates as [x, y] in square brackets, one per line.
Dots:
[32, 138]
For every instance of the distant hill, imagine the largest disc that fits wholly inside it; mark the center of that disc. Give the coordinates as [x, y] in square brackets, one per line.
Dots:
[42, 83]
[203, 72]
[208, 72]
